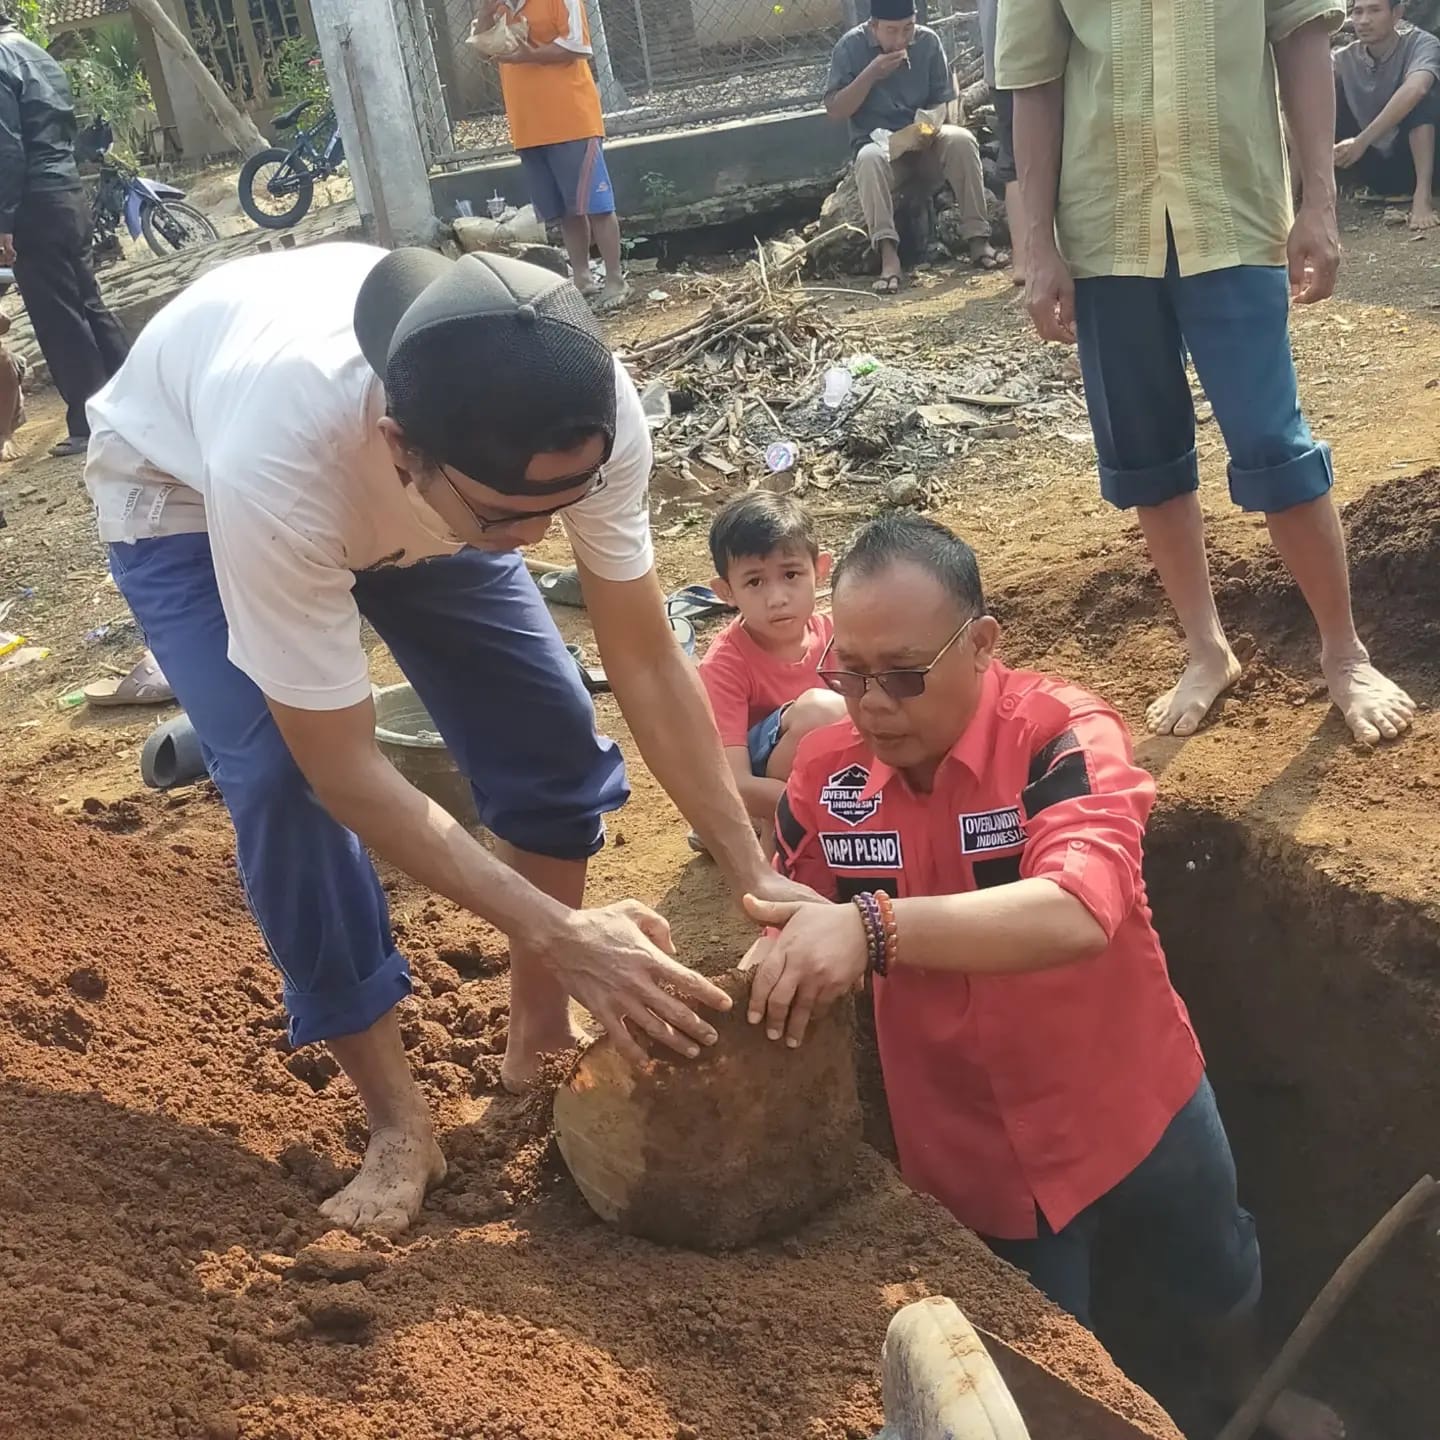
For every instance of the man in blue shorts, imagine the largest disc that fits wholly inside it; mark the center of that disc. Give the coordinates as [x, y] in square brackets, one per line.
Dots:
[1158, 154]
[556, 124]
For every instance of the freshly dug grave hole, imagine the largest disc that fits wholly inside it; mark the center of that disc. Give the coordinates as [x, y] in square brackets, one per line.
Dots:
[1318, 1004]
[746, 1141]
[164, 1273]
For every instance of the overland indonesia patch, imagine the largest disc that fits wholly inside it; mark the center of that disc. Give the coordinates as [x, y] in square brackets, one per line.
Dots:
[991, 830]
[865, 850]
[841, 795]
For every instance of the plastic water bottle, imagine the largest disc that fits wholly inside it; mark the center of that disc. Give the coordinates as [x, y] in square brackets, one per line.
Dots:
[838, 384]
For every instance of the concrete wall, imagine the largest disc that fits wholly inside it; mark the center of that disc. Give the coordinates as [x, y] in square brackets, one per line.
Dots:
[720, 169]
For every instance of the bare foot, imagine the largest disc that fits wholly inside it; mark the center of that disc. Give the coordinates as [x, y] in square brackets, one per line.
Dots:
[1180, 710]
[524, 1049]
[611, 296]
[8, 450]
[1423, 216]
[1297, 1417]
[1374, 708]
[401, 1163]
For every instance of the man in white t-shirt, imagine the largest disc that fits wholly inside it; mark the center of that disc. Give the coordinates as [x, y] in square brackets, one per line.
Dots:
[306, 438]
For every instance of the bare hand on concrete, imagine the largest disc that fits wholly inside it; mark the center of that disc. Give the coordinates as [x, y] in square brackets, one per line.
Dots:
[617, 961]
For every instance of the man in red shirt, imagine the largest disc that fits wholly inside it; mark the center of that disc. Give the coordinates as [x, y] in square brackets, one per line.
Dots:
[1042, 1074]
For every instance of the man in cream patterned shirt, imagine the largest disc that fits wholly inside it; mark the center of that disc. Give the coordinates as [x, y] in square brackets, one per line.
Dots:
[1159, 226]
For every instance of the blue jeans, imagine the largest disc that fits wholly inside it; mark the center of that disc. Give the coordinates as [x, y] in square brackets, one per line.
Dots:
[1178, 1208]
[1134, 334]
[473, 636]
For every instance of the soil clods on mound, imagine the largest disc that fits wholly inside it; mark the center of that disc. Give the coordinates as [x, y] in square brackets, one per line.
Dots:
[164, 1273]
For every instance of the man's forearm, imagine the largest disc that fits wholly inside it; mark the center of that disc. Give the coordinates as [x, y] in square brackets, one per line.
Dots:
[1007, 930]
[1039, 130]
[844, 103]
[551, 54]
[414, 834]
[1399, 105]
[664, 705]
[1307, 93]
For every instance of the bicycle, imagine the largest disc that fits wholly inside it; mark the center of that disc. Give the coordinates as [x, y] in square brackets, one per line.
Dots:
[277, 186]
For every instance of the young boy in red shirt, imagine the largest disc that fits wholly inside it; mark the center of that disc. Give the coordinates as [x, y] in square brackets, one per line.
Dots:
[759, 672]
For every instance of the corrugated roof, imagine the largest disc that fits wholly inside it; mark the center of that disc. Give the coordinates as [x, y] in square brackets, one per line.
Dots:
[59, 13]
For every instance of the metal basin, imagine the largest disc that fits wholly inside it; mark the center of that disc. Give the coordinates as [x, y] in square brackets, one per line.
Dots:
[407, 737]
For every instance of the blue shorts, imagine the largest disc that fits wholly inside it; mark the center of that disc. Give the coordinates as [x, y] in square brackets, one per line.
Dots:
[1135, 334]
[568, 179]
[764, 736]
[1178, 1208]
[473, 636]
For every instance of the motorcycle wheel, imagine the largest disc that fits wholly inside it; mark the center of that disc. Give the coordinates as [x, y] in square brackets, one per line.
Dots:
[171, 225]
[260, 201]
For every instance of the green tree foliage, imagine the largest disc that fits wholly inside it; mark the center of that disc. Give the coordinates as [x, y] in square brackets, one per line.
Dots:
[299, 73]
[109, 79]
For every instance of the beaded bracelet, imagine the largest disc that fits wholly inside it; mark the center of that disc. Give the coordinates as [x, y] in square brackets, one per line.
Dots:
[870, 918]
[890, 934]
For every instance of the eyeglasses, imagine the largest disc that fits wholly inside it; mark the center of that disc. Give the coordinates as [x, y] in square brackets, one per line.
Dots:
[897, 684]
[595, 477]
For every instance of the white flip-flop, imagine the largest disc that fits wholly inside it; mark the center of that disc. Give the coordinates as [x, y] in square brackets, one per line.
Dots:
[144, 685]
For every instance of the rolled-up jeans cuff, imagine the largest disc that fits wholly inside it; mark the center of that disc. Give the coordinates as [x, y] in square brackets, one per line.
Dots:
[1281, 487]
[1154, 485]
[326, 1014]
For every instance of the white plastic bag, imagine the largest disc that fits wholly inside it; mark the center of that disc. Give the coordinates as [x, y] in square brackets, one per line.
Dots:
[500, 40]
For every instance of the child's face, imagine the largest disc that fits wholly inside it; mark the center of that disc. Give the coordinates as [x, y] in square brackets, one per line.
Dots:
[774, 593]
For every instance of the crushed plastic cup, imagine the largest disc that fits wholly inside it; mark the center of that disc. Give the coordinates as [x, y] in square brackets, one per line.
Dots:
[781, 456]
[655, 402]
[495, 205]
[859, 365]
[838, 384]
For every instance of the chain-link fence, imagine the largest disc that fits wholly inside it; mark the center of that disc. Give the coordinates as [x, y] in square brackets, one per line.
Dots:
[659, 63]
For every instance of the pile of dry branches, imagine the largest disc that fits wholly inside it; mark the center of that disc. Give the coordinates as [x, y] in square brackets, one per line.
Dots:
[735, 370]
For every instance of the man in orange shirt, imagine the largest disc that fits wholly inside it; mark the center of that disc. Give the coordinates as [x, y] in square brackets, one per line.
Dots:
[556, 126]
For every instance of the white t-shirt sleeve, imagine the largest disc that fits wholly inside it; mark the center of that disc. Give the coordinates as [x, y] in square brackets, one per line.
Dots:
[574, 39]
[610, 532]
[290, 604]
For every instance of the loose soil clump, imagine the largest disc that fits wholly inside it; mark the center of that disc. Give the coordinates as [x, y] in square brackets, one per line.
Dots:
[163, 1271]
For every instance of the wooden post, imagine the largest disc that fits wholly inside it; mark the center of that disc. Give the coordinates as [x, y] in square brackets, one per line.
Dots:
[238, 128]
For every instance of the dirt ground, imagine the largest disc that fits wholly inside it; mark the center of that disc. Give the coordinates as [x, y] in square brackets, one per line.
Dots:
[162, 1149]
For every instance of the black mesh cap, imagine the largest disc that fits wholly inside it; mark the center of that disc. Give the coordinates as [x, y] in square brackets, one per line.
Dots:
[487, 361]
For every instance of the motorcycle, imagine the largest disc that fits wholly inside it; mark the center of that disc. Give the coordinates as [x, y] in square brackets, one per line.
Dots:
[146, 207]
[277, 186]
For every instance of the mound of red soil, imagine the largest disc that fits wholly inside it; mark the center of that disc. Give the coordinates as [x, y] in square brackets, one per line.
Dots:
[163, 1271]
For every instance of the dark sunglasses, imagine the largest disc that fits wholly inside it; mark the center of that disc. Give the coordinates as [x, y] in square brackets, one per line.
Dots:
[593, 480]
[897, 684]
